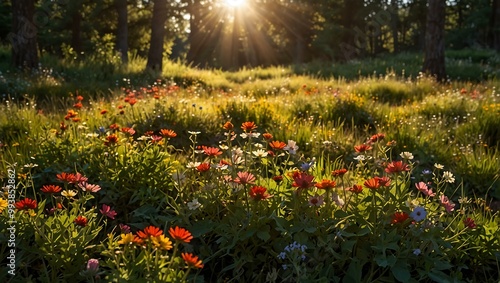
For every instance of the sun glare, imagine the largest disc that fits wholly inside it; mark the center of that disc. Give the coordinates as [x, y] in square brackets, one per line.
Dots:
[234, 3]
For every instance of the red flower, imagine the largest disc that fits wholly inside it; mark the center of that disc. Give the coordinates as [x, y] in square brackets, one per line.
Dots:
[192, 260]
[104, 111]
[362, 147]
[278, 179]
[399, 217]
[396, 167]
[150, 231]
[244, 178]
[302, 180]
[180, 234]
[26, 204]
[228, 126]
[111, 139]
[79, 98]
[203, 167]
[129, 131]
[248, 126]
[372, 183]
[377, 137]
[339, 172]
[259, 193]
[277, 145]
[384, 181]
[326, 184]
[62, 126]
[114, 126]
[132, 101]
[51, 189]
[470, 223]
[78, 105]
[211, 151]
[357, 189]
[81, 221]
[66, 177]
[168, 133]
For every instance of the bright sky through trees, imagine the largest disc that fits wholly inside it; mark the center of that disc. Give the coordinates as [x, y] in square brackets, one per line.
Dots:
[234, 3]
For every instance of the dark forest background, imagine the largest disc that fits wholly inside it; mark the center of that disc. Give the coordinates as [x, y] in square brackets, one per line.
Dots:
[262, 33]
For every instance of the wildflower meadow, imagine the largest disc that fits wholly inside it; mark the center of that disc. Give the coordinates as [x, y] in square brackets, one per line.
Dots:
[254, 176]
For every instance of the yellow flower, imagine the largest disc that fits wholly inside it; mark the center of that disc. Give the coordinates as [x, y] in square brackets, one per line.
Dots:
[126, 239]
[3, 204]
[68, 193]
[162, 242]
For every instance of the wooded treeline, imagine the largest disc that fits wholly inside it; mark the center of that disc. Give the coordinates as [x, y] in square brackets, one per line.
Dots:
[208, 33]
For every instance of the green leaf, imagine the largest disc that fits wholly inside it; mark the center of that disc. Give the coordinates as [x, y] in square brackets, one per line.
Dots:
[401, 271]
[354, 272]
[201, 228]
[263, 235]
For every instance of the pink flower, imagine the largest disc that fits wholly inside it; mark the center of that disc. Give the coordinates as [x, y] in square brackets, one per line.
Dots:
[244, 178]
[89, 187]
[469, 222]
[448, 204]
[107, 211]
[316, 200]
[93, 266]
[422, 187]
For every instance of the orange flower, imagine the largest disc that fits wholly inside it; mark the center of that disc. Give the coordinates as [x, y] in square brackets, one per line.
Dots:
[51, 189]
[70, 114]
[248, 126]
[180, 234]
[191, 260]
[326, 184]
[78, 105]
[81, 221]
[150, 231]
[228, 126]
[399, 217]
[211, 151]
[168, 133]
[362, 147]
[79, 98]
[26, 204]
[372, 184]
[396, 167]
[339, 172]
[277, 145]
[76, 119]
[104, 111]
[267, 136]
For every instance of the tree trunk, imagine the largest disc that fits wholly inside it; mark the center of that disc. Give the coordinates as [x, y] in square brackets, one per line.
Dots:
[495, 28]
[155, 54]
[395, 25]
[122, 29]
[23, 35]
[434, 63]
